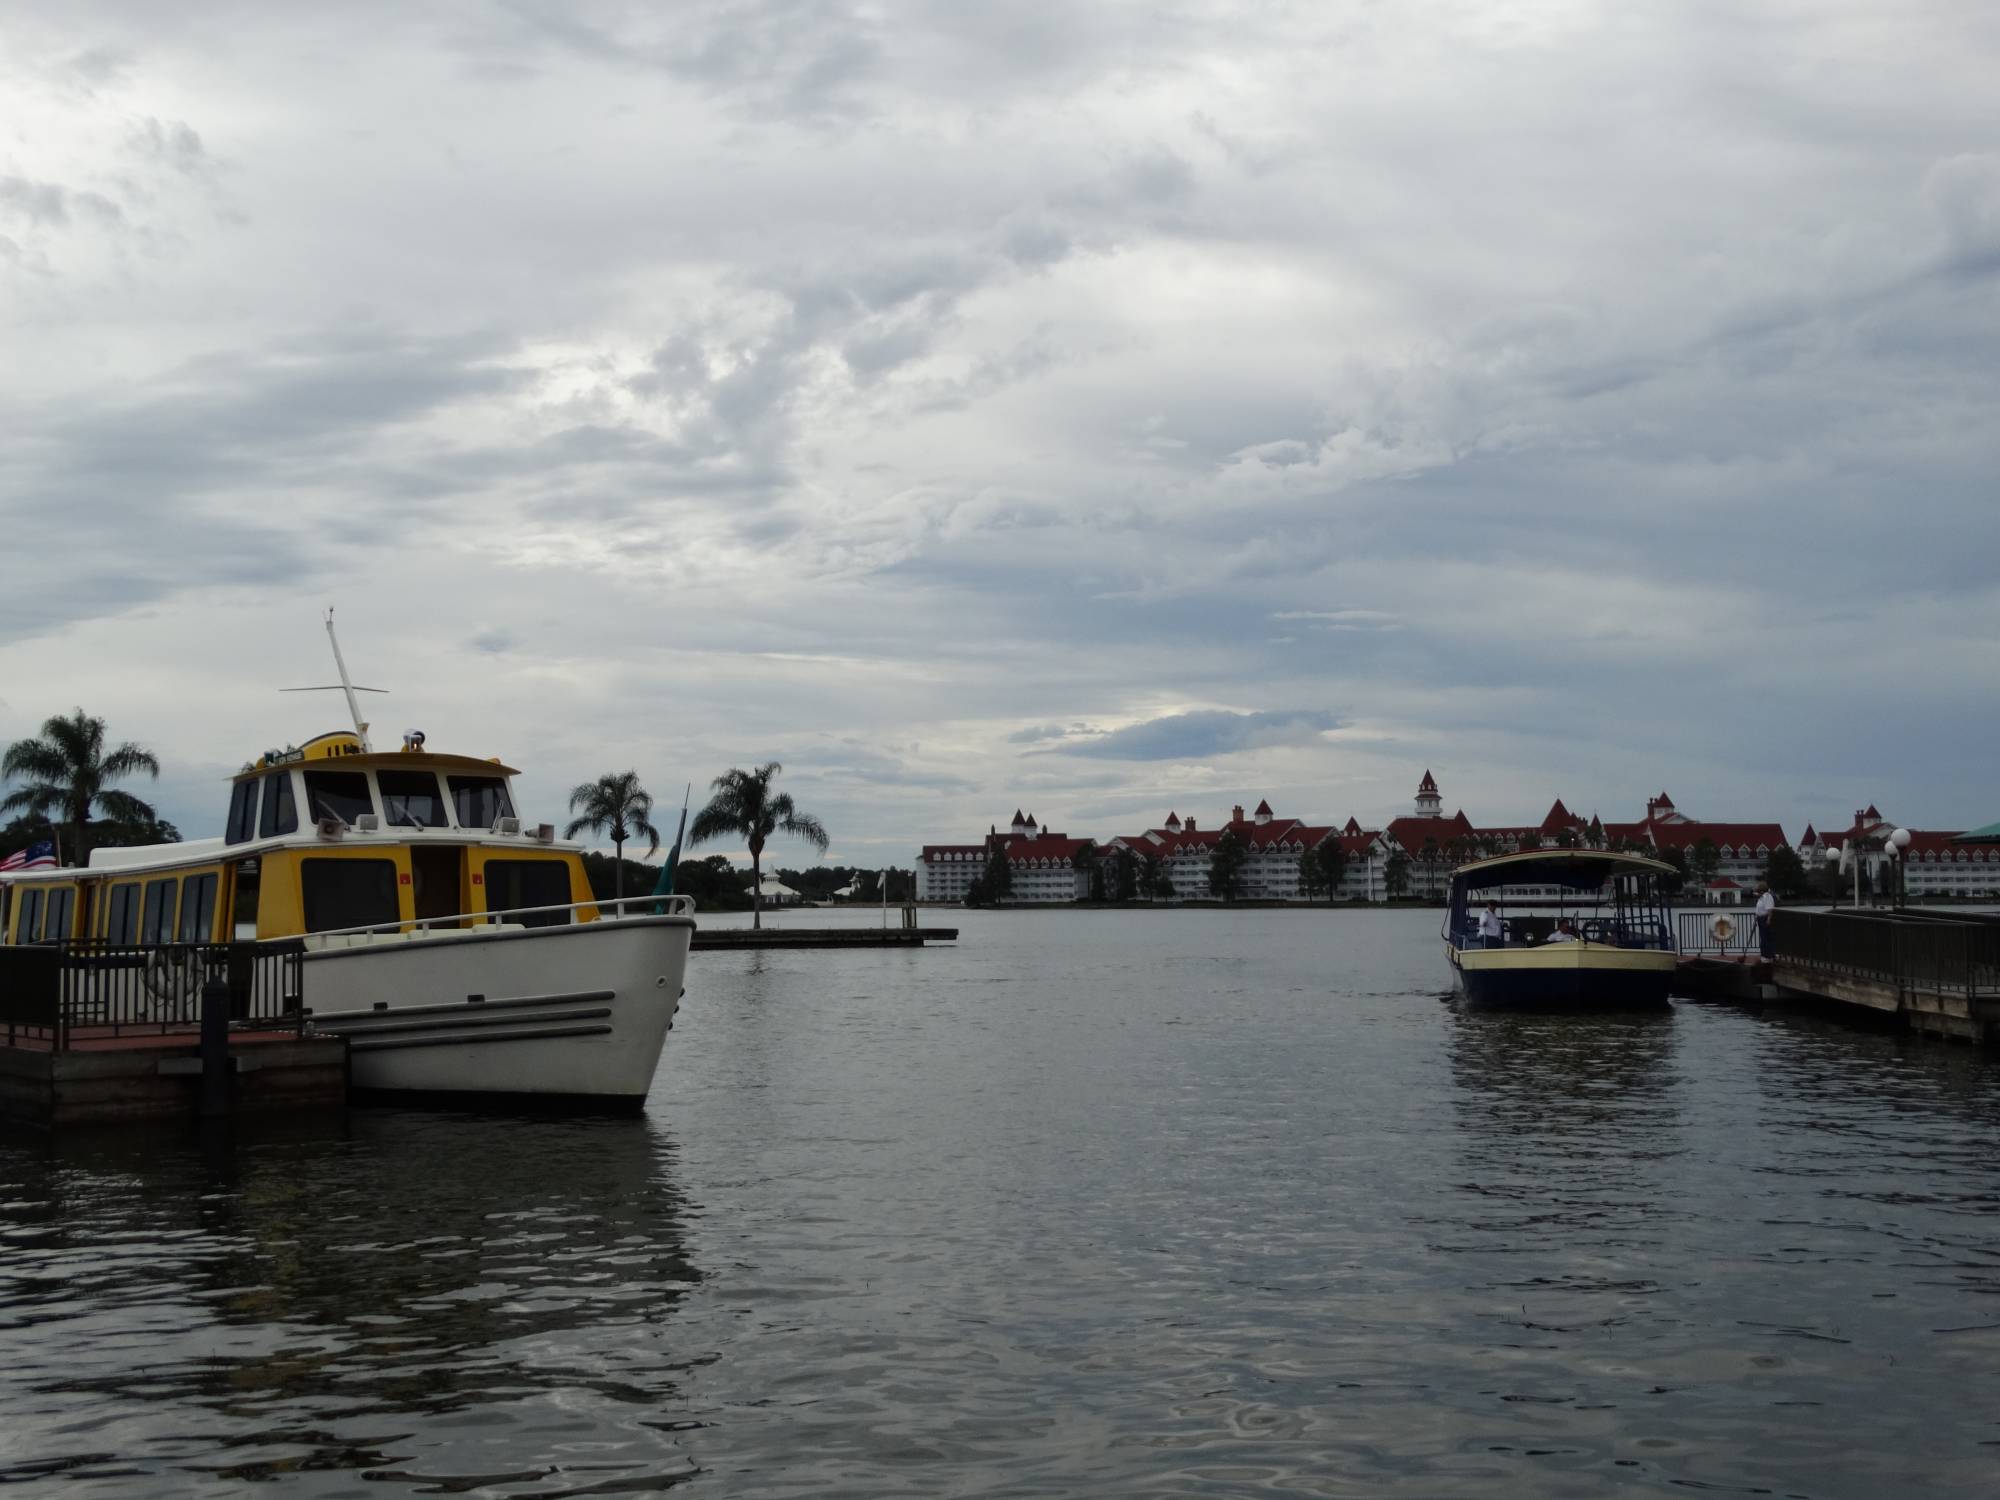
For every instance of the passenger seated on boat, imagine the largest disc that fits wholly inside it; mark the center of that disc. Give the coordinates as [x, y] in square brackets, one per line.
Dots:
[1564, 933]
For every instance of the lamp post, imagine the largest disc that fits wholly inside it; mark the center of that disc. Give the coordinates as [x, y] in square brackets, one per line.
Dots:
[1896, 846]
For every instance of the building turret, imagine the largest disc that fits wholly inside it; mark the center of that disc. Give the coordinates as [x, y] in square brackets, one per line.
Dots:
[1430, 802]
[1264, 813]
[1020, 823]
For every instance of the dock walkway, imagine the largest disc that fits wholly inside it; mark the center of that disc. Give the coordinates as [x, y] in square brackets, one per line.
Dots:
[1935, 972]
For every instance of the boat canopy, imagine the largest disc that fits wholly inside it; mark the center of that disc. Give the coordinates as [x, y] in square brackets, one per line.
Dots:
[1990, 834]
[1574, 869]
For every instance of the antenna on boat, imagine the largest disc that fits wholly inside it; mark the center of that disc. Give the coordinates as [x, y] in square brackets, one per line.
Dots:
[345, 685]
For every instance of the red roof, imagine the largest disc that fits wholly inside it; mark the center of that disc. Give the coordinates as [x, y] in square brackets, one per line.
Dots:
[1410, 832]
[1352, 827]
[1723, 883]
[1809, 838]
[1427, 787]
[1936, 845]
[1559, 818]
[1264, 808]
[1722, 835]
[1050, 846]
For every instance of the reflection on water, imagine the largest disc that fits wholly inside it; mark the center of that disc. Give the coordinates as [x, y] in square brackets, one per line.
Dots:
[286, 1302]
[1118, 1204]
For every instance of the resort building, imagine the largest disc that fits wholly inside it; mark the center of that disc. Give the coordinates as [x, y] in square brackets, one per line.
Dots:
[1042, 866]
[1435, 844]
[1933, 866]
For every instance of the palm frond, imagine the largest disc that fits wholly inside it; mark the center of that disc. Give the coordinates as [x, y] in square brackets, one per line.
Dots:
[124, 807]
[37, 760]
[806, 827]
[127, 760]
[35, 800]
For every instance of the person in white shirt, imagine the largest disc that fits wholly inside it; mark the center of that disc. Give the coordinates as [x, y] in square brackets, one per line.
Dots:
[1564, 933]
[1766, 904]
[1491, 934]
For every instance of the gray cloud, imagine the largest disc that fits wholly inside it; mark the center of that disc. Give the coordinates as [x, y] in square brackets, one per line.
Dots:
[906, 389]
[1204, 734]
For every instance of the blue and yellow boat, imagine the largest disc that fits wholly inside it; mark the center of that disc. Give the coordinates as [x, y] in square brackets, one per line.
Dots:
[1578, 927]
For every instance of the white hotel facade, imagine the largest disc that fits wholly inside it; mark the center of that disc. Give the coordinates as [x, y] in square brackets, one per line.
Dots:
[1050, 868]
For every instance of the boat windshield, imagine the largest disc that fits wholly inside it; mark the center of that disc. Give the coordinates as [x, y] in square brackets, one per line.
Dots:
[411, 799]
[480, 801]
[337, 794]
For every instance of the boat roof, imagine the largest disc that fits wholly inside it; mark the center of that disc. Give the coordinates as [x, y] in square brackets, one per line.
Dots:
[386, 760]
[1990, 834]
[1579, 869]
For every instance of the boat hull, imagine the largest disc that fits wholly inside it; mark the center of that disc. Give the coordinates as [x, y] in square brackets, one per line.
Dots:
[1567, 975]
[572, 1015]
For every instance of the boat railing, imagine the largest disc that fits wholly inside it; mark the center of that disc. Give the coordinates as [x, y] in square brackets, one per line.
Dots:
[1613, 932]
[620, 908]
[84, 991]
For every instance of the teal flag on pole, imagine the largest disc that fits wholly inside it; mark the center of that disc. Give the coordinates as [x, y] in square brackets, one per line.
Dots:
[664, 886]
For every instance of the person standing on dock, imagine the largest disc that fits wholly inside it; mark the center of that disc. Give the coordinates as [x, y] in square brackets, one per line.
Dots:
[1766, 904]
[1489, 926]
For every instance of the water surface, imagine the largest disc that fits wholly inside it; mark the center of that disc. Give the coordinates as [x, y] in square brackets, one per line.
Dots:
[1193, 1203]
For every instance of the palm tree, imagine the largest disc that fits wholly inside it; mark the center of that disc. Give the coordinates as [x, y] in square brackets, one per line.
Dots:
[743, 805]
[614, 804]
[66, 772]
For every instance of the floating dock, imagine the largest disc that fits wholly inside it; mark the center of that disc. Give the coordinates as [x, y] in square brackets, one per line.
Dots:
[821, 937]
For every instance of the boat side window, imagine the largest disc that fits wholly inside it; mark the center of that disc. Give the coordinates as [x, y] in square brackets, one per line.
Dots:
[28, 916]
[480, 801]
[197, 909]
[58, 904]
[348, 893]
[158, 925]
[281, 815]
[337, 794]
[512, 884]
[411, 799]
[243, 901]
[242, 813]
[121, 913]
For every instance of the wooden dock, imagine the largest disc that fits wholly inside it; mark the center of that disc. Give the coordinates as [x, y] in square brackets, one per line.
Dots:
[113, 1080]
[821, 937]
[1937, 973]
[97, 1033]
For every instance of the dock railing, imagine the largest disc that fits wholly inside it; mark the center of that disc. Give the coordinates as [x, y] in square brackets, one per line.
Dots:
[63, 995]
[1718, 932]
[1936, 953]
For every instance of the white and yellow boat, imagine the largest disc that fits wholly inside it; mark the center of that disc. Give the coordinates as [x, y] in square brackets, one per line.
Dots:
[459, 950]
[1608, 942]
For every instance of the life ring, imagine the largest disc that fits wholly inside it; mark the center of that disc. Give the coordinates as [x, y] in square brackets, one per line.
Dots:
[1722, 929]
[172, 976]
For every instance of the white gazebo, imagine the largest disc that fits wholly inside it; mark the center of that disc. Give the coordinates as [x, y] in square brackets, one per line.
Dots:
[774, 892]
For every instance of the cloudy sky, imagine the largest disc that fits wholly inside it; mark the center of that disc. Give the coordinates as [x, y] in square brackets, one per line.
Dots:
[1092, 408]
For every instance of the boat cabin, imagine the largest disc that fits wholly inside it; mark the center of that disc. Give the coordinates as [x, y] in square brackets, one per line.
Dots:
[319, 839]
[1612, 899]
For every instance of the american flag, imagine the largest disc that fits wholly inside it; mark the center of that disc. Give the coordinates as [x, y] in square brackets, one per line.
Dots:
[40, 856]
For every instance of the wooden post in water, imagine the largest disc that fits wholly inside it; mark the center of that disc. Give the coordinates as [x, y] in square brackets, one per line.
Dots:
[215, 993]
